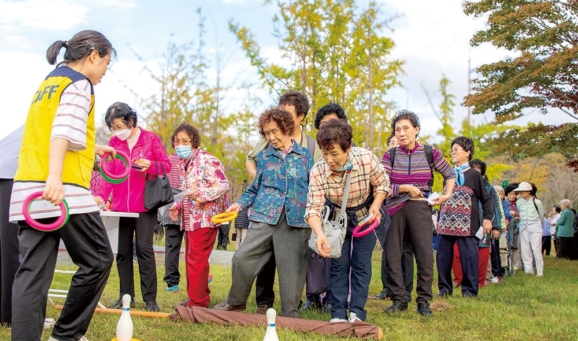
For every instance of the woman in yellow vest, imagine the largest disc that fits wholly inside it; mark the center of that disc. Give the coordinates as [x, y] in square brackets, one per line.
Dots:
[56, 157]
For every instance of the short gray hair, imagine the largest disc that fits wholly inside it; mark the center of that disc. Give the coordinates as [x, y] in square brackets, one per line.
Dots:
[566, 203]
[499, 189]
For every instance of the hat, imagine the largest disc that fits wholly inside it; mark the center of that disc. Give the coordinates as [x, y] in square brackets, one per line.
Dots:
[524, 187]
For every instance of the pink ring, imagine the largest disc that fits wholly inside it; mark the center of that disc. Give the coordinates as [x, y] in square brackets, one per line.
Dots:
[60, 222]
[119, 155]
[358, 234]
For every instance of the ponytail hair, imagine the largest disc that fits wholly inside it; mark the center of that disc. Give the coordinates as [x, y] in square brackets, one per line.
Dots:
[80, 46]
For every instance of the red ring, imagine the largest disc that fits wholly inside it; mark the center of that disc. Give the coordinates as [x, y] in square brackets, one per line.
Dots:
[358, 234]
[127, 163]
[60, 222]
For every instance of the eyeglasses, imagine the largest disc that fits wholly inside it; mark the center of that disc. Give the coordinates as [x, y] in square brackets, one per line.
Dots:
[455, 150]
[183, 143]
[117, 128]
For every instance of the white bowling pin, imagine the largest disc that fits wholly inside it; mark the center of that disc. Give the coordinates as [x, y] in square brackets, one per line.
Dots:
[124, 327]
[271, 334]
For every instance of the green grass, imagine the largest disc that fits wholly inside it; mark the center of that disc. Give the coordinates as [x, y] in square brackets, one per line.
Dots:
[523, 307]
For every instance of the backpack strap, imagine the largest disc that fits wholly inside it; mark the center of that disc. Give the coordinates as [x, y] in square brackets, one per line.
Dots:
[536, 207]
[429, 157]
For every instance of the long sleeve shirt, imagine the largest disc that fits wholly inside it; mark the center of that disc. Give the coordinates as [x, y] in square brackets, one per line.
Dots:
[565, 224]
[128, 196]
[367, 174]
[460, 215]
[412, 168]
[528, 212]
[204, 176]
[281, 184]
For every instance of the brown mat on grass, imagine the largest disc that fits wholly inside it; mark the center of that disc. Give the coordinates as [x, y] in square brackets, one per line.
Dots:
[344, 329]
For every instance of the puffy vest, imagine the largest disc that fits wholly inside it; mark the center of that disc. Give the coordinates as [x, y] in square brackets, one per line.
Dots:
[34, 153]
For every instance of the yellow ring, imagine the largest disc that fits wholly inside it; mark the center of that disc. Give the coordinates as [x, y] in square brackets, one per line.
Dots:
[224, 217]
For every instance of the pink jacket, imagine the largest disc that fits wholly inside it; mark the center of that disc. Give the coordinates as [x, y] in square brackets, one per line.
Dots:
[128, 196]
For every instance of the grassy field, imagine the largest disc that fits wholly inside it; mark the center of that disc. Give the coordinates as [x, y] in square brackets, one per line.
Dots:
[522, 307]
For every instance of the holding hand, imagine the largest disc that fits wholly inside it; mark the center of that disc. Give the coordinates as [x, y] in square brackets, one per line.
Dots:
[99, 202]
[322, 245]
[143, 163]
[375, 213]
[102, 149]
[440, 200]
[234, 208]
[413, 191]
[174, 212]
[487, 225]
[54, 190]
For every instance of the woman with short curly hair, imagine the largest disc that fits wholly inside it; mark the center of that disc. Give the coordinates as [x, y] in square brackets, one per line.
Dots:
[278, 196]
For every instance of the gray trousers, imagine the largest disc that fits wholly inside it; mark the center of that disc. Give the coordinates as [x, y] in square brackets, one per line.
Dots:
[289, 247]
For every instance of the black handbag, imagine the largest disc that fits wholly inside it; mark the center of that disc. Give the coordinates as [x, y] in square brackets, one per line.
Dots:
[158, 190]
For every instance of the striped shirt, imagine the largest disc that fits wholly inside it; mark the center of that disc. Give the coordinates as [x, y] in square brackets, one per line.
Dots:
[412, 168]
[325, 183]
[70, 124]
[242, 220]
[177, 181]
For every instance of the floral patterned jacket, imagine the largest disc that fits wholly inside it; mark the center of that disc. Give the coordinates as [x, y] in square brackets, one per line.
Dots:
[281, 183]
[205, 177]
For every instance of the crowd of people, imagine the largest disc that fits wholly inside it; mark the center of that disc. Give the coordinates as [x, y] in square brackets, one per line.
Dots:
[298, 183]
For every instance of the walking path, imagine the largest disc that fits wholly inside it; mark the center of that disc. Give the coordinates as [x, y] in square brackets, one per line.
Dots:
[217, 256]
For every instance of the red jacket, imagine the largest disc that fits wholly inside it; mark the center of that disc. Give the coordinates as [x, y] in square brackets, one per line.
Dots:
[128, 196]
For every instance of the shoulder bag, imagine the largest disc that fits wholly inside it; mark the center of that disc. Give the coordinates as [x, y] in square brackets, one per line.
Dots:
[334, 230]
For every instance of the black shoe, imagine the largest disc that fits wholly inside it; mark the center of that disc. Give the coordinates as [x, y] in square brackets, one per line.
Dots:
[118, 304]
[423, 309]
[311, 305]
[469, 295]
[443, 294]
[326, 308]
[396, 307]
[152, 306]
[380, 296]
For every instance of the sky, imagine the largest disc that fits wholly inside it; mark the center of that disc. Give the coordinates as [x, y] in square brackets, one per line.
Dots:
[431, 37]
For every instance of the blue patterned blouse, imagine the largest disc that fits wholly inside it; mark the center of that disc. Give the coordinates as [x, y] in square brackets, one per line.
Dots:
[281, 183]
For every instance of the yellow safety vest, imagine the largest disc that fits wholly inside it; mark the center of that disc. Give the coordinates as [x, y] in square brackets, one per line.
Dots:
[34, 154]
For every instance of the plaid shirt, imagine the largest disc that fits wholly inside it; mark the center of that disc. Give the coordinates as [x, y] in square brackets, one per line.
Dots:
[366, 173]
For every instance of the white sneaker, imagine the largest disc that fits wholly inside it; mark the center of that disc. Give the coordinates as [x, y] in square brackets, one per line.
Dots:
[495, 280]
[336, 320]
[48, 323]
[353, 317]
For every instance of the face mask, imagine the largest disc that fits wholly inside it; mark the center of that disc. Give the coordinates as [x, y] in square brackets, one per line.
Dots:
[184, 152]
[122, 134]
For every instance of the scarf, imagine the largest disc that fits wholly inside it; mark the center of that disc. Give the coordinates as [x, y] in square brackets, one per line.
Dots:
[460, 178]
[348, 166]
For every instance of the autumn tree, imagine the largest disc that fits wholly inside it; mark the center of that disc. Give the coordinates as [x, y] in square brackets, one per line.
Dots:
[543, 37]
[333, 52]
[480, 133]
